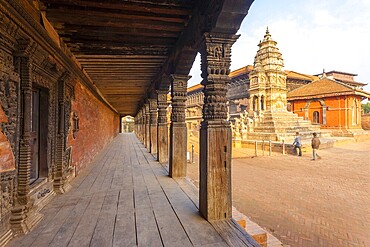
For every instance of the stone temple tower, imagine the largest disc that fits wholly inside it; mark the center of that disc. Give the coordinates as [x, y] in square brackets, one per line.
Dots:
[268, 103]
[268, 79]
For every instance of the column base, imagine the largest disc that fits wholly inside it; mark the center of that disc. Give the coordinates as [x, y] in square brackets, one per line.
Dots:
[23, 219]
[62, 187]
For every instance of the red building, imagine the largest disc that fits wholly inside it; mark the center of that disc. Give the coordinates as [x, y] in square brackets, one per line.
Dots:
[333, 104]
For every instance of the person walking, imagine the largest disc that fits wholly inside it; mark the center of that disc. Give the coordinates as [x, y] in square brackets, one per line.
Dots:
[315, 143]
[297, 144]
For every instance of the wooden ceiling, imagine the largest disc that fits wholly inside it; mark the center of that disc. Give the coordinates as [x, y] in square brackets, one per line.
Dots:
[121, 44]
[126, 45]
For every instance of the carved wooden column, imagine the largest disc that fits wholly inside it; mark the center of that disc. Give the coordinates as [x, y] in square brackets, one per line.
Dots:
[144, 126]
[178, 132]
[140, 133]
[215, 133]
[162, 132]
[60, 180]
[23, 218]
[147, 126]
[153, 125]
[135, 124]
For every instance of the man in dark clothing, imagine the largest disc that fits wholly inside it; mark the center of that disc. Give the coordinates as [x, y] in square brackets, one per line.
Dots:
[298, 144]
[315, 143]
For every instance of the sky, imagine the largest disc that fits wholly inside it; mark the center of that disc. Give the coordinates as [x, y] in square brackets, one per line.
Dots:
[312, 35]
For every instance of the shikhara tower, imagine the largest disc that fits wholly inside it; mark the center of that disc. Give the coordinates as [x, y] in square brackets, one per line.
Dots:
[268, 79]
[268, 103]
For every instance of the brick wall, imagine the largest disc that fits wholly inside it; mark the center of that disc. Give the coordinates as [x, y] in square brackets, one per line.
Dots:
[365, 120]
[6, 154]
[98, 125]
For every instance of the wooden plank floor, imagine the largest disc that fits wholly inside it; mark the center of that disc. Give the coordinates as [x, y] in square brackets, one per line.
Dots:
[124, 198]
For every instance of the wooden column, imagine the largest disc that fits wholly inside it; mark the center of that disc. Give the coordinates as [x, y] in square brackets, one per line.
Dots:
[23, 218]
[147, 127]
[60, 183]
[178, 131]
[153, 125]
[136, 124]
[137, 131]
[215, 133]
[140, 131]
[162, 131]
[144, 126]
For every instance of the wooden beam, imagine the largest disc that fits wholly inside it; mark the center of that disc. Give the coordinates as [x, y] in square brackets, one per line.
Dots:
[132, 6]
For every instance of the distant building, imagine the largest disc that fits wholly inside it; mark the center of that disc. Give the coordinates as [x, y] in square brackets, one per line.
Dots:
[330, 103]
[194, 106]
[237, 94]
[345, 77]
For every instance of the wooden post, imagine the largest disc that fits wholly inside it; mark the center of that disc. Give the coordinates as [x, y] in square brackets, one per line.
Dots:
[147, 126]
[215, 134]
[270, 148]
[263, 147]
[60, 183]
[143, 126]
[178, 131]
[255, 149]
[142, 121]
[283, 147]
[162, 127]
[153, 124]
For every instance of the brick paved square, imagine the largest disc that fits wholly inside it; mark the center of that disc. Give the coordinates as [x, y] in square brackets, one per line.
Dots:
[304, 202]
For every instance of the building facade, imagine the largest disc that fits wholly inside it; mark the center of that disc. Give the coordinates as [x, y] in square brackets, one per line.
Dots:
[331, 104]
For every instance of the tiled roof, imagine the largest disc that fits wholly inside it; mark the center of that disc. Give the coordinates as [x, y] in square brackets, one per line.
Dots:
[354, 83]
[300, 76]
[324, 88]
[241, 71]
[194, 88]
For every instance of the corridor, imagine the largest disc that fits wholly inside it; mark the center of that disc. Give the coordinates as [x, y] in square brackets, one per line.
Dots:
[124, 198]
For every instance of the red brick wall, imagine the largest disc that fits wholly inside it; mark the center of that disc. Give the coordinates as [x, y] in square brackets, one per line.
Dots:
[98, 125]
[6, 154]
[365, 120]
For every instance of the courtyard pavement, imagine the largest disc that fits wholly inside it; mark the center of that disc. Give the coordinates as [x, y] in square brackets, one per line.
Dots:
[304, 202]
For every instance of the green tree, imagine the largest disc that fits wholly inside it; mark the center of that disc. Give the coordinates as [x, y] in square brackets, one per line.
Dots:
[366, 107]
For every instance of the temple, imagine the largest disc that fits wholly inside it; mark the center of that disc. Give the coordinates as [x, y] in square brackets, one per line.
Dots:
[268, 112]
[261, 100]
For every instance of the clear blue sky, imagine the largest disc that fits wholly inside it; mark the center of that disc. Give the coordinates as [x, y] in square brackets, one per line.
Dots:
[312, 35]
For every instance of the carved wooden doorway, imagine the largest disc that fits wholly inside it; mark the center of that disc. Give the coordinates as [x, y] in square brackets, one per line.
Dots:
[39, 126]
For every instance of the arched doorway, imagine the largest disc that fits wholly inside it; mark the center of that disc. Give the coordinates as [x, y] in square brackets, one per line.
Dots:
[127, 124]
[316, 117]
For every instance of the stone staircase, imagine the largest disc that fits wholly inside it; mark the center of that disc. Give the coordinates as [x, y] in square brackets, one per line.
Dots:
[281, 125]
